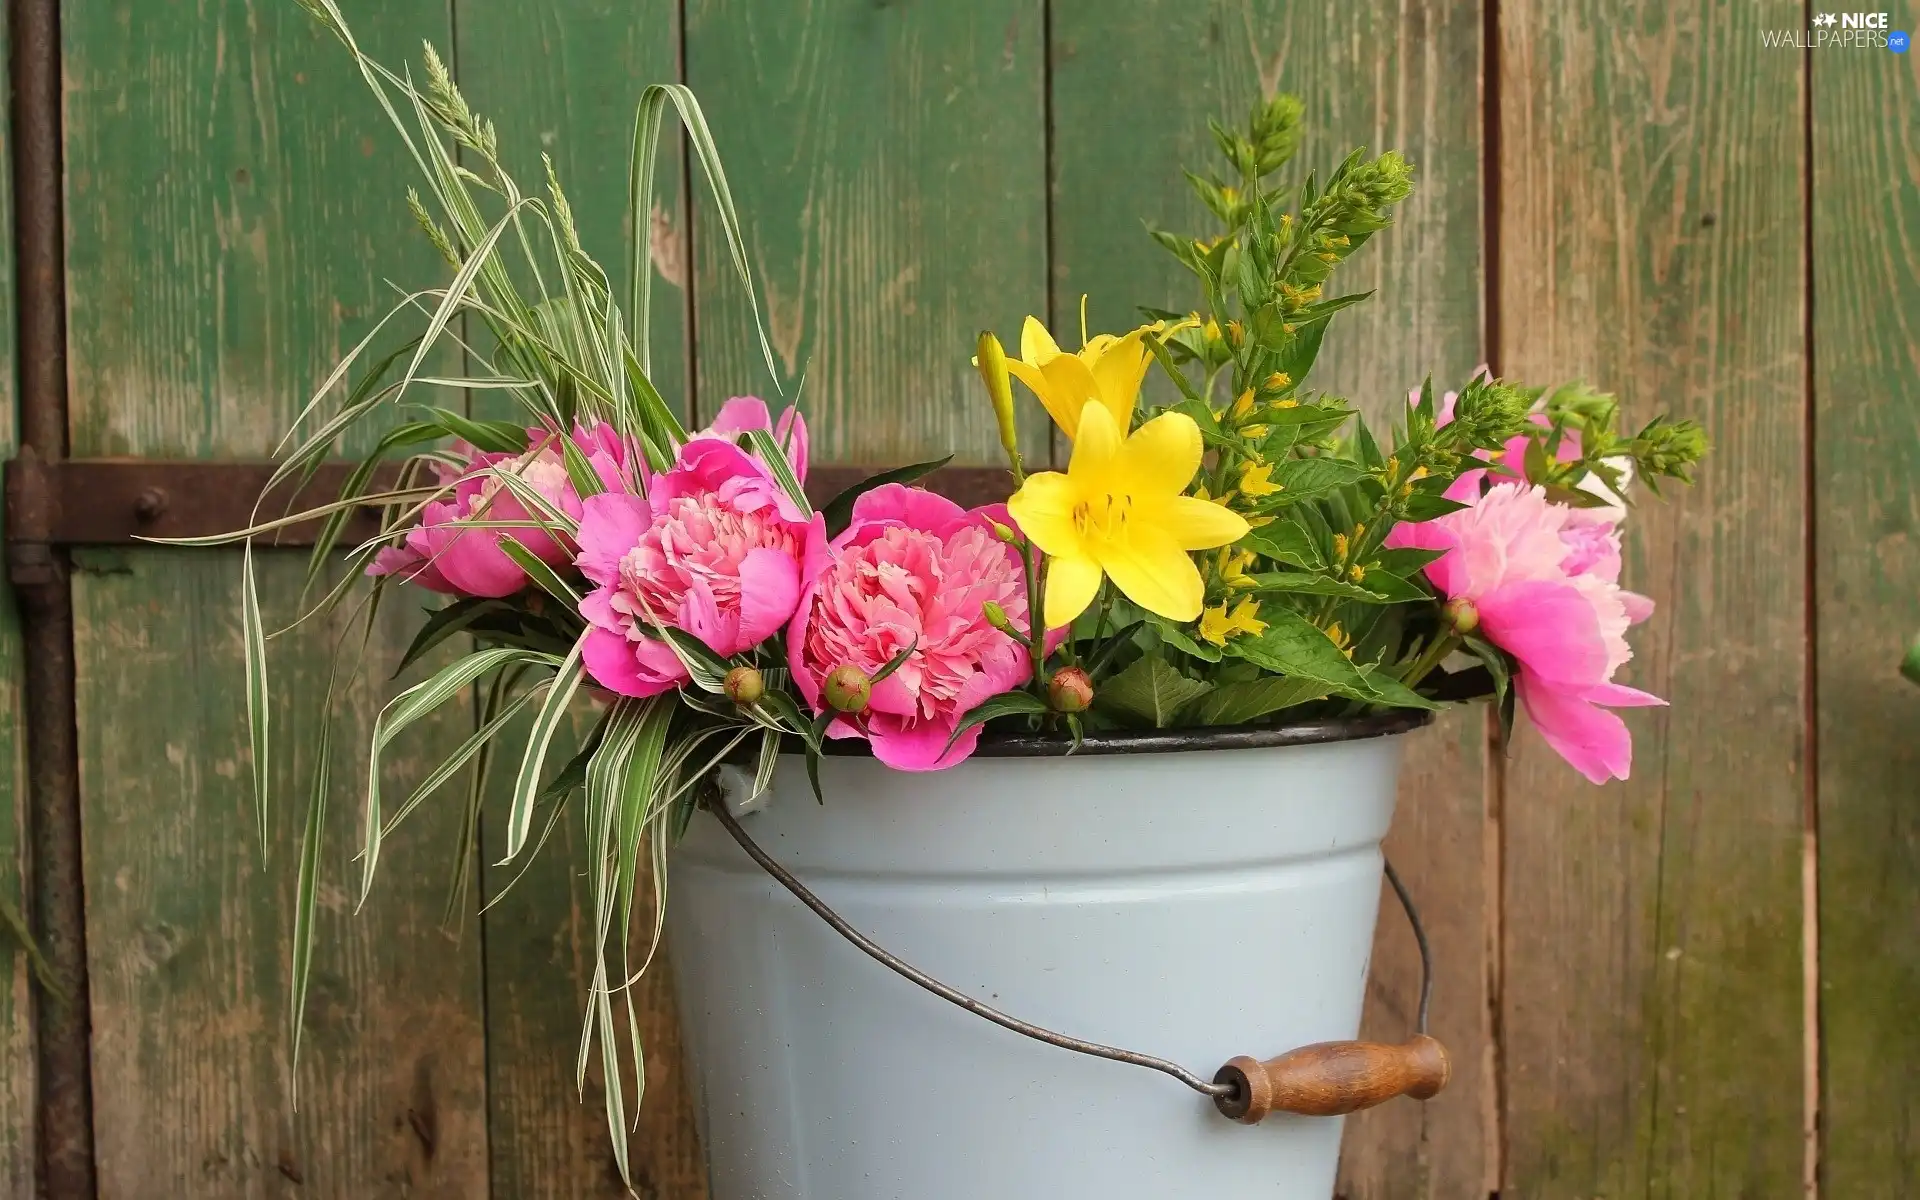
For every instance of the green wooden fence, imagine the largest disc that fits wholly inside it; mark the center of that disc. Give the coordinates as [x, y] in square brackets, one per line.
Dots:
[1699, 983]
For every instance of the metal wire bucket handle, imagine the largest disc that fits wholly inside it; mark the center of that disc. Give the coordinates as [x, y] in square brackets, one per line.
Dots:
[1325, 1079]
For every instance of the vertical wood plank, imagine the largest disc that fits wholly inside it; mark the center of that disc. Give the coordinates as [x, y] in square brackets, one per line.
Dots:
[564, 80]
[235, 210]
[1652, 242]
[888, 161]
[1390, 76]
[16, 1027]
[1866, 190]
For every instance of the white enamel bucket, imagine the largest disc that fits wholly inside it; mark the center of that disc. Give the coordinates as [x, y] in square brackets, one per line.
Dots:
[1194, 904]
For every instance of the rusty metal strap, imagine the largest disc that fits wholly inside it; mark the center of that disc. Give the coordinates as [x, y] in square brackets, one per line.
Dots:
[102, 501]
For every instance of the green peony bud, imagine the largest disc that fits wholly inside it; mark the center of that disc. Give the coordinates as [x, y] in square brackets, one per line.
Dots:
[744, 686]
[1462, 615]
[848, 689]
[1070, 690]
[1910, 666]
[1005, 533]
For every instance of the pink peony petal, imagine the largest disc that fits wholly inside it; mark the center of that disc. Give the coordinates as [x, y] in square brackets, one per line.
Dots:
[611, 662]
[471, 560]
[911, 506]
[919, 747]
[1550, 627]
[1594, 741]
[769, 588]
[1639, 607]
[610, 525]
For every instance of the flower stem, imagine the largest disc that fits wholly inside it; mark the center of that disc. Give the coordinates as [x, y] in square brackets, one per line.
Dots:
[1441, 646]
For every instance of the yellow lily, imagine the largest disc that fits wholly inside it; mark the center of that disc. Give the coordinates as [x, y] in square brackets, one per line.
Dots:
[1108, 369]
[1118, 511]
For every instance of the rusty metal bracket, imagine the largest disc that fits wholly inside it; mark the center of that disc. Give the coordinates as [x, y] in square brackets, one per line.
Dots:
[107, 501]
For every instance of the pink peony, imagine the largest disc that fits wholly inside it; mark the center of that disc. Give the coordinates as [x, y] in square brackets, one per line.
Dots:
[745, 414]
[1544, 579]
[456, 546]
[913, 569]
[714, 548]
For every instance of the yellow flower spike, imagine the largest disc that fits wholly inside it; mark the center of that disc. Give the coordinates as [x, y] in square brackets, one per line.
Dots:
[1340, 546]
[1256, 480]
[1243, 405]
[1118, 511]
[1279, 381]
[1288, 404]
[1217, 624]
[1233, 569]
[1108, 370]
[1254, 432]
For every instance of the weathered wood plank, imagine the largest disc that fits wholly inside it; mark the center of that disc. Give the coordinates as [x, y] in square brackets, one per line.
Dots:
[1651, 225]
[16, 1027]
[565, 80]
[1387, 76]
[1866, 191]
[235, 210]
[888, 161]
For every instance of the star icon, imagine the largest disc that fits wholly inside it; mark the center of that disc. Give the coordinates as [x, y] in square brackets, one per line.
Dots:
[1827, 19]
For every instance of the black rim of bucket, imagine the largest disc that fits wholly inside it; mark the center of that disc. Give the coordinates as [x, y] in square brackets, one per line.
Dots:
[1176, 741]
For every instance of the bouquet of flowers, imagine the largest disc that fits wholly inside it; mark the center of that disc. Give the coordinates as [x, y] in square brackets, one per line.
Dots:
[1246, 551]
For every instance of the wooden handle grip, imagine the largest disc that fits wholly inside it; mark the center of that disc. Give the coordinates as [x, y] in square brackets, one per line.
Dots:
[1330, 1078]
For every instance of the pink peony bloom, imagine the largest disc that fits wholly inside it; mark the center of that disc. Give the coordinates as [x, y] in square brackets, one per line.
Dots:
[745, 414]
[913, 569]
[456, 547]
[714, 548]
[1544, 579]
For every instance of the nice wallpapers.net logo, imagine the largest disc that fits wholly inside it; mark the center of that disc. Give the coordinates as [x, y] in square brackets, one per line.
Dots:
[1840, 31]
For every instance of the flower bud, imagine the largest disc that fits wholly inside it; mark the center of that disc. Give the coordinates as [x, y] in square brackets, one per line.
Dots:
[1005, 533]
[848, 689]
[992, 361]
[997, 617]
[744, 685]
[1070, 690]
[1463, 616]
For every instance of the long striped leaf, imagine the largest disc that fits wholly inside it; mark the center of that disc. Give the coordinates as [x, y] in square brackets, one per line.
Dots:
[526, 783]
[416, 702]
[259, 732]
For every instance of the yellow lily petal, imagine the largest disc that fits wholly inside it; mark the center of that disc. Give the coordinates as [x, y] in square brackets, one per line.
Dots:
[1043, 508]
[1072, 583]
[1196, 524]
[1118, 370]
[1036, 381]
[1162, 455]
[1151, 570]
[1070, 387]
[1096, 449]
[1036, 344]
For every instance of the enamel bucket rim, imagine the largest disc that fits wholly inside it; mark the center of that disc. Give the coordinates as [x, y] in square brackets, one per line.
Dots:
[1176, 741]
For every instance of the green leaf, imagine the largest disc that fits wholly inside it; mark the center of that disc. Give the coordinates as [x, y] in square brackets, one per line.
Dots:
[1392, 588]
[1249, 700]
[1407, 561]
[1150, 690]
[1304, 478]
[259, 732]
[497, 437]
[411, 705]
[526, 783]
[540, 572]
[1176, 636]
[443, 623]
[1295, 646]
[839, 510]
[1910, 665]
[774, 456]
[1305, 583]
[1298, 358]
[1424, 506]
[1005, 704]
[1288, 542]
